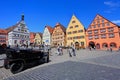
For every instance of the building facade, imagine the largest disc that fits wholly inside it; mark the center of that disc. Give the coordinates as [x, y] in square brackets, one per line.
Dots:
[103, 34]
[47, 35]
[59, 35]
[38, 39]
[32, 37]
[3, 37]
[18, 34]
[75, 33]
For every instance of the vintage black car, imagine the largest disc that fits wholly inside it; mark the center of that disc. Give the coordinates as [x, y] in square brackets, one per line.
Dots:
[18, 59]
[2, 49]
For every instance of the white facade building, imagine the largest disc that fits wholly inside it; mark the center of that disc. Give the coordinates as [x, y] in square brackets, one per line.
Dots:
[18, 34]
[47, 35]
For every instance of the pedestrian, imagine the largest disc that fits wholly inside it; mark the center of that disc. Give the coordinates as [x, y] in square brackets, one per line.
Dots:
[58, 50]
[94, 47]
[45, 47]
[90, 48]
[73, 50]
[111, 49]
[70, 51]
[50, 53]
[119, 48]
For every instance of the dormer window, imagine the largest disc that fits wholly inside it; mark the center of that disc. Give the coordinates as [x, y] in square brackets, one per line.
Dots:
[94, 23]
[98, 21]
[97, 17]
[71, 27]
[102, 21]
[108, 24]
[22, 29]
[76, 26]
[18, 29]
[25, 30]
[73, 21]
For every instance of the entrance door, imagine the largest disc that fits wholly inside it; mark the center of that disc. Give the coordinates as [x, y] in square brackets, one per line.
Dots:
[92, 44]
[77, 45]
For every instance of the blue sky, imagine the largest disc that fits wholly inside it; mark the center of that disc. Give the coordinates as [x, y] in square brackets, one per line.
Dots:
[39, 13]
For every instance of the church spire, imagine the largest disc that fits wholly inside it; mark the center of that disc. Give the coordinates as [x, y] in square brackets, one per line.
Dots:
[22, 17]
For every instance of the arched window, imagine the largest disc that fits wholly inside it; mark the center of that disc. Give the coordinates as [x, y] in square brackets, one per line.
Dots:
[113, 45]
[104, 45]
[97, 46]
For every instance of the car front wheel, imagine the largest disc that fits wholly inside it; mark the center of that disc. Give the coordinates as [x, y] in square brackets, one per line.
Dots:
[16, 67]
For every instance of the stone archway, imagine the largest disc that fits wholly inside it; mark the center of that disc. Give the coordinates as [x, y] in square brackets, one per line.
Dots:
[104, 45]
[77, 45]
[113, 45]
[92, 44]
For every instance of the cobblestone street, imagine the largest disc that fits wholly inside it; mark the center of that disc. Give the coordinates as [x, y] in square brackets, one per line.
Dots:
[87, 65]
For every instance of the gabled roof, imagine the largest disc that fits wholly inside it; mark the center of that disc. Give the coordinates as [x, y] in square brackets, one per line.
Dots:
[50, 29]
[103, 18]
[3, 31]
[9, 29]
[108, 20]
[76, 19]
[39, 34]
[32, 33]
[62, 27]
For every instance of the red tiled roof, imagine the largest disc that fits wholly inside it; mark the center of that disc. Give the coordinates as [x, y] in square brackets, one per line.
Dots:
[3, 31]
[39, 33]
[50, 29]
[62, 27]
[32, 33]
[103, 18]
[12, 27]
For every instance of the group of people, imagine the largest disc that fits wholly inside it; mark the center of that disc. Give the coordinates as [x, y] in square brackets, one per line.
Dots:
[71, 50]
[59, 50]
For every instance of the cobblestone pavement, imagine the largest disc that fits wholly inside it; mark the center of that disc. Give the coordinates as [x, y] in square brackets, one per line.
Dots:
[2, 57]
[70, 71]
[87, 65]
[3, 72]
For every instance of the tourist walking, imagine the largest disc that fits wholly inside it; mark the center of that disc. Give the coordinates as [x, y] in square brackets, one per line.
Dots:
[58, 50]
[111, 49]
[70, 51]
[119, 48]
[73, 50]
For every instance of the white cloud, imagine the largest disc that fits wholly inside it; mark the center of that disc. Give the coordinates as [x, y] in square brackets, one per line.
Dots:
[116, 21]
[112, 4]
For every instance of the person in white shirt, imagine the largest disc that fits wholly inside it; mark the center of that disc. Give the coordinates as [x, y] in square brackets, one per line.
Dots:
[73, 50]
[58, 50]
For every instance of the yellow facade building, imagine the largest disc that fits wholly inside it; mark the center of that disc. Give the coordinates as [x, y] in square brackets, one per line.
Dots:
[38, 39]
[75, 33]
